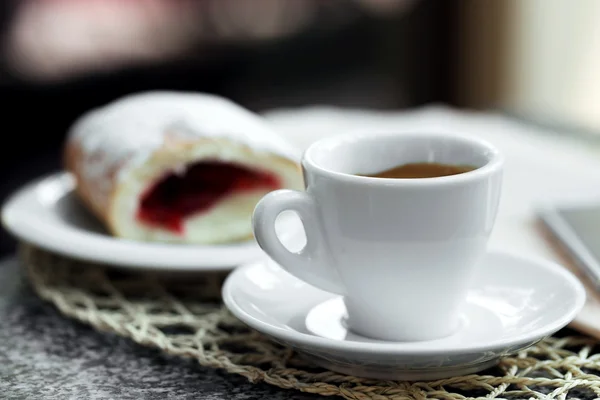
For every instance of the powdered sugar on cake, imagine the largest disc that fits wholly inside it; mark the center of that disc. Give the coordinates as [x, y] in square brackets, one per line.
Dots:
[124, 133]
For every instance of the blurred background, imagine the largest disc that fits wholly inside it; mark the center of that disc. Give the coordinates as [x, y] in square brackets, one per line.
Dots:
[535, 59]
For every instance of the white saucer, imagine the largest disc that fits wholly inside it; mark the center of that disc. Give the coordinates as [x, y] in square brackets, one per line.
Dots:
[514, 303]
[47, 213]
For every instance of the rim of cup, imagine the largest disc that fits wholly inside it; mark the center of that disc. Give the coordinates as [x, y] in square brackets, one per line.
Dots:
[495, 159]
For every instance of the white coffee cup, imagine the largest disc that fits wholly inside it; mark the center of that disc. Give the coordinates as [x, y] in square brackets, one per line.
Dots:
[401, 252]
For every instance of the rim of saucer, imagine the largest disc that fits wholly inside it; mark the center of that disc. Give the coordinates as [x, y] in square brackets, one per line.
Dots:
[416, 347]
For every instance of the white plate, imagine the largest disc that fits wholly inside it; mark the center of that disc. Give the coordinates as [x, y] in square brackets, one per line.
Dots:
[513, 303]
[47, 213]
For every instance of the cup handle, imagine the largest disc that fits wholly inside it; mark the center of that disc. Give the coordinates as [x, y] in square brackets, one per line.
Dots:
[312, 264]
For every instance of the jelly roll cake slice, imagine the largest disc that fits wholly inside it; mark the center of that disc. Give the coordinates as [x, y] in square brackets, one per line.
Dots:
[177, 167]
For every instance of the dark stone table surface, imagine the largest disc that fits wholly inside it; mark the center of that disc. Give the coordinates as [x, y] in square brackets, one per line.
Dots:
[44, 355]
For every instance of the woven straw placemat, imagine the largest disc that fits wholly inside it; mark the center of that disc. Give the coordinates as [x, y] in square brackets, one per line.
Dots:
[184, 316]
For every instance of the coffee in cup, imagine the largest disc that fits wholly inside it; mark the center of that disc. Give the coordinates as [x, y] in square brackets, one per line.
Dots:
[418, 170]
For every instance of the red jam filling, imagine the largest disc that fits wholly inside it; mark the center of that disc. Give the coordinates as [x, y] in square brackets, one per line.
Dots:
[176, 196]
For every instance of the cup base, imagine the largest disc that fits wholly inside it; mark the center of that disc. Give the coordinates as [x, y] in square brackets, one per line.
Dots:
[330, 320]
[386, 336]
[406, 325]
